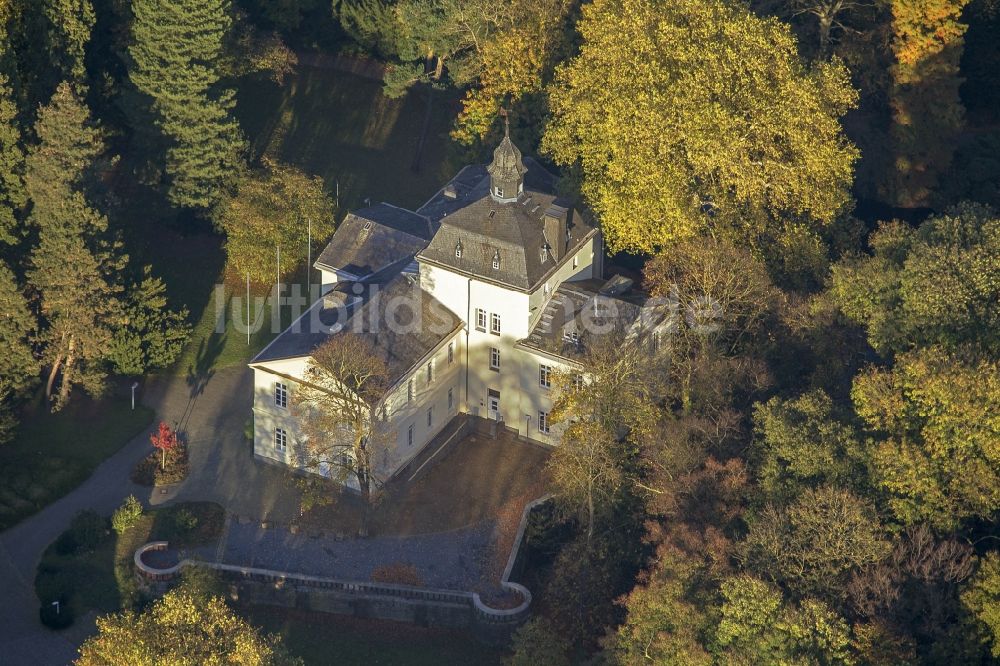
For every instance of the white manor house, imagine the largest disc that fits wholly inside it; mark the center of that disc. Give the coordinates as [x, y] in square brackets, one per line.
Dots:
[502, 270]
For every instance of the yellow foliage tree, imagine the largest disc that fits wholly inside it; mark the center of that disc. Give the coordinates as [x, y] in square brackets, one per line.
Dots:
[181, 629]
[515, 61]
[273, 207]
[927, 110]
[687, 116]
[940, 411]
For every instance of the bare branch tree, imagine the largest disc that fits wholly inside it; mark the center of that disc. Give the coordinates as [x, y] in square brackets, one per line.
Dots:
[339, 414]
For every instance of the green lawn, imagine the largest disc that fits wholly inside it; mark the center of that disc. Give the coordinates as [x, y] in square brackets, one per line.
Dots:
[329, 123]
[326, 639]
[54, 453]
[339, 126]
[103, 578]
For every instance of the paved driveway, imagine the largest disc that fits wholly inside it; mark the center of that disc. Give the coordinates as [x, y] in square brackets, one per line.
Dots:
[469, 484]
[220, 407]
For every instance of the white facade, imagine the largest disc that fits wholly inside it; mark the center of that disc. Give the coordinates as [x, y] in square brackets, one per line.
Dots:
[479, 369]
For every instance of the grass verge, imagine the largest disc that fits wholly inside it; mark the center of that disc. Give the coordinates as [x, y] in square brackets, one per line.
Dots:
[54, 453]
[97, 573]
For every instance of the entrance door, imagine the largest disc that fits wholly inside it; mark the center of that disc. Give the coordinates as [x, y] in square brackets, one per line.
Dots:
[493, 405]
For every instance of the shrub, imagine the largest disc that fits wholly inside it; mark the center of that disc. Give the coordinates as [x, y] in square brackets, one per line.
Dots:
[185, 521]
[86, 532]
[53, 618]
[537, 642]
[397, 574]
[127, 515]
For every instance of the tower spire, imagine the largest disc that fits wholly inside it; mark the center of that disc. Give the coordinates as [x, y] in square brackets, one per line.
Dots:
[507, 169]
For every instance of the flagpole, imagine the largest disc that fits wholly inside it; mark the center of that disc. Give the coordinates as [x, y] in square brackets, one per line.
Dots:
[309, 259]
[248, 308]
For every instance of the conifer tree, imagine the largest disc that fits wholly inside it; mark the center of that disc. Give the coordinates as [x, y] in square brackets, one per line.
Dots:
[18, 366]
[175, 60]
[69, 25]
[71, 268]
[12, 196]
[64, 161]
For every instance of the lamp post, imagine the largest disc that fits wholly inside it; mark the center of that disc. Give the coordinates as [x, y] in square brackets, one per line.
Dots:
[135, 385]
[248, 308]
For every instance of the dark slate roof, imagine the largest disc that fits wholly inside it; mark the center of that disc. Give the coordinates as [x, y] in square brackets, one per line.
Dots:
[372, 238]
[577, 307]
[485, 227]
[473, 182]
[402, 335]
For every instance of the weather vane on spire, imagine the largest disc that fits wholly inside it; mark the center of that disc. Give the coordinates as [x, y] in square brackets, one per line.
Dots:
[506, 121]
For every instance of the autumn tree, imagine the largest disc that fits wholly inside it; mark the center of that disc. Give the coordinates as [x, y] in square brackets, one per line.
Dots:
[718, 296]
[804, 443]
[431, 33]
[250, 50]
[667, 614]
[339, 413]
[181, 628]
[937, 284]
[515, 63]
[674, 138]
[911, 600]
[927, 40]
[164, 440]
[603, 410]
[938, 416]
[72, 267]
[828, 20]
[982, 597]
[273, 207]
[174, 59]
[759, 627]
[814, 544]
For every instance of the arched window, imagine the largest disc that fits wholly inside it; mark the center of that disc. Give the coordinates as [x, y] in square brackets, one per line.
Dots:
[458, 250]
[496, 260]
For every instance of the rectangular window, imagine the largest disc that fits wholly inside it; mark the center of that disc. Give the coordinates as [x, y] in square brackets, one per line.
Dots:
[409, 435]
[280, 440]
[451, 400]
[495, 324]
[409, 391]
[545, 376]
[430, 416]
[494, 359]
[577, 381]
[480, 319]
[451, 352]
[430, 371]
[543, 422]
[280, 395]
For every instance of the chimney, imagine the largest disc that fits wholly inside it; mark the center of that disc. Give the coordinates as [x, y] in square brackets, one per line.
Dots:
[554, 228]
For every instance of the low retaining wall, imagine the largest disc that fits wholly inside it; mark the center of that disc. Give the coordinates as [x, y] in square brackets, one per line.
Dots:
[423, 606]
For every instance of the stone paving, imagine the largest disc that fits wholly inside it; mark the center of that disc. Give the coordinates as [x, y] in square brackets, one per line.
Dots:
[465, 486]
[450, 560]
